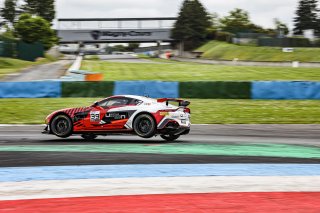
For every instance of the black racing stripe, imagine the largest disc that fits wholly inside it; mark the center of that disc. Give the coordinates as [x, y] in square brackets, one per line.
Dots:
[24, 159]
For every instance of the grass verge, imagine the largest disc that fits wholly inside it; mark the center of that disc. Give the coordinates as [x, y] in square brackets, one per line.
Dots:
[11, 65]
[225, 51]
[180, 71]
[34, 111]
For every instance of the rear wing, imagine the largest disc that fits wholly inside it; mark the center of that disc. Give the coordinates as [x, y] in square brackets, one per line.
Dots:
[182, 103]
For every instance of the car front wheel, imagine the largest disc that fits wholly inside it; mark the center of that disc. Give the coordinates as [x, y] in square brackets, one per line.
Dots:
[144, 126]
[61, 126]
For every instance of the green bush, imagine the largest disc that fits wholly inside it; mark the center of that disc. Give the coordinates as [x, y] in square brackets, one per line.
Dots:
[317, 43]
[32, 29]
[7, 46]
[285, 42]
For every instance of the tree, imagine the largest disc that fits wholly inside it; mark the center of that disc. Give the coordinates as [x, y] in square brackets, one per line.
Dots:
[237, 21]
[215, 21]
[32, 29]
[43, 8]
[306, 16]
[8, 12]
[281, 28]
[119, 48]
[132, 46]
[192, 24]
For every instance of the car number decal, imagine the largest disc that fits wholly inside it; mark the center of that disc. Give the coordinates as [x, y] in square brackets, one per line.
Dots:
[95, 116]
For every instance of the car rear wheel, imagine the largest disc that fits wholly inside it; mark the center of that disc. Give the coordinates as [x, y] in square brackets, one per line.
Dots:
[89, 136]
[144, 126]
[61, 126]
[170, 137]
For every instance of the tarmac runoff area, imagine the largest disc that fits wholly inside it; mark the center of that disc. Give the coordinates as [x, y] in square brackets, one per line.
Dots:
[218, 168]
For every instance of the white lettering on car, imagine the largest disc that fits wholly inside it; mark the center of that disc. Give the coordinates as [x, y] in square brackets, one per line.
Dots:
[95, 116]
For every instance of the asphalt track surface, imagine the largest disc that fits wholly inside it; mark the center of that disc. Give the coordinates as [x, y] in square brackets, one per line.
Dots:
[127, 58]
[115, 150]
[217, 168]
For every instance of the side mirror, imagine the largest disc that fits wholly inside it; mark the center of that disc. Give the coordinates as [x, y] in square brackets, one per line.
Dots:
[95, 104]
[184, 103]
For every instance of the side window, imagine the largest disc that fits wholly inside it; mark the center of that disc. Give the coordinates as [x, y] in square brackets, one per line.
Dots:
[137, 102]
[113, 102]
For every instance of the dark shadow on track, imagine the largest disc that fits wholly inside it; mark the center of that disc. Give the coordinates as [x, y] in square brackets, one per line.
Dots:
[24, 159]
[109, 141]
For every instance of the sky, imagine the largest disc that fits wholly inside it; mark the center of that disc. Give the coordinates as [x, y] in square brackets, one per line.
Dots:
[262, 12]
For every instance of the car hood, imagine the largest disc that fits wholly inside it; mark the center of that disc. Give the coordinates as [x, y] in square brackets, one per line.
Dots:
[69, 111]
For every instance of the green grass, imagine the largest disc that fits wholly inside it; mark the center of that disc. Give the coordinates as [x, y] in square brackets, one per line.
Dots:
[179, 71]
[225, 51]
[34, 111]
[11, 65]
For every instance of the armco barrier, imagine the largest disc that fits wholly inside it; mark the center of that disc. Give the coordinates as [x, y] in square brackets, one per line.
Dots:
[282, 90]
[154, 89]
[203, 90]
[215, 90]
[87, 89]
[30, 89]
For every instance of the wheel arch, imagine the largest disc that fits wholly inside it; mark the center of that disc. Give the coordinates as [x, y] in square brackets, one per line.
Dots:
[57, 114]
[142, 113]
[147, 134]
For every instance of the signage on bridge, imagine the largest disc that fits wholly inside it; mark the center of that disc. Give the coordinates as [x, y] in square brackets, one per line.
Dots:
[123, 35]
[96, 35]
[97, 30]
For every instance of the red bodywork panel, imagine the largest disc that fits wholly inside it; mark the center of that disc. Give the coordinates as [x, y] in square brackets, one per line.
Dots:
[89, 119]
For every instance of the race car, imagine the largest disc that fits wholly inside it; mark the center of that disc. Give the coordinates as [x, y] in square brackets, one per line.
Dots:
[127, 114]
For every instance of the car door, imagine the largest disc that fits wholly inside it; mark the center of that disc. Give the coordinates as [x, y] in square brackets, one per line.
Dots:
[116, 116]
[105, 115]
[93, 120]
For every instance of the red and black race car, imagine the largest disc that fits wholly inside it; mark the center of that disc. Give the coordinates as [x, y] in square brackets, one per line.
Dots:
[128, 114]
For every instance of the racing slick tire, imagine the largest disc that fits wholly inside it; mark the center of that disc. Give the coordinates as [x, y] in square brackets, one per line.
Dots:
[170, 137]
[61, 126]
[145, 126]
[89, 137]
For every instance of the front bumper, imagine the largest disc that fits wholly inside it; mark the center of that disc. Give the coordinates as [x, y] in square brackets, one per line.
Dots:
[46, 130]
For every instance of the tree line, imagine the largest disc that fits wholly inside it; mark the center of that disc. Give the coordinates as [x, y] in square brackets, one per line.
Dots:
[307, 17]
[30, 20]
[195, 25]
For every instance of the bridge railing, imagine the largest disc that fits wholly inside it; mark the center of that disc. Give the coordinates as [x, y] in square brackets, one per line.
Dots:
[115, 23]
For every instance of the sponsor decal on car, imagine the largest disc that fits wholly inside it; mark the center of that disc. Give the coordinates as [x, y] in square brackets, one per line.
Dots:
[116, 116]
[95, 116]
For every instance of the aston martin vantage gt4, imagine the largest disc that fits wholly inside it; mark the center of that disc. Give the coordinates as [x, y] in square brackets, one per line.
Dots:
[127, 114]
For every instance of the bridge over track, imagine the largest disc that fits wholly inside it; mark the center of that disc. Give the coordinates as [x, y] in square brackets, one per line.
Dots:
[115, 30]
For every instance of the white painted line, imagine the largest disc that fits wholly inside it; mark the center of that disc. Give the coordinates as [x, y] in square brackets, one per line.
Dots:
[76, 64]
[164, 185]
